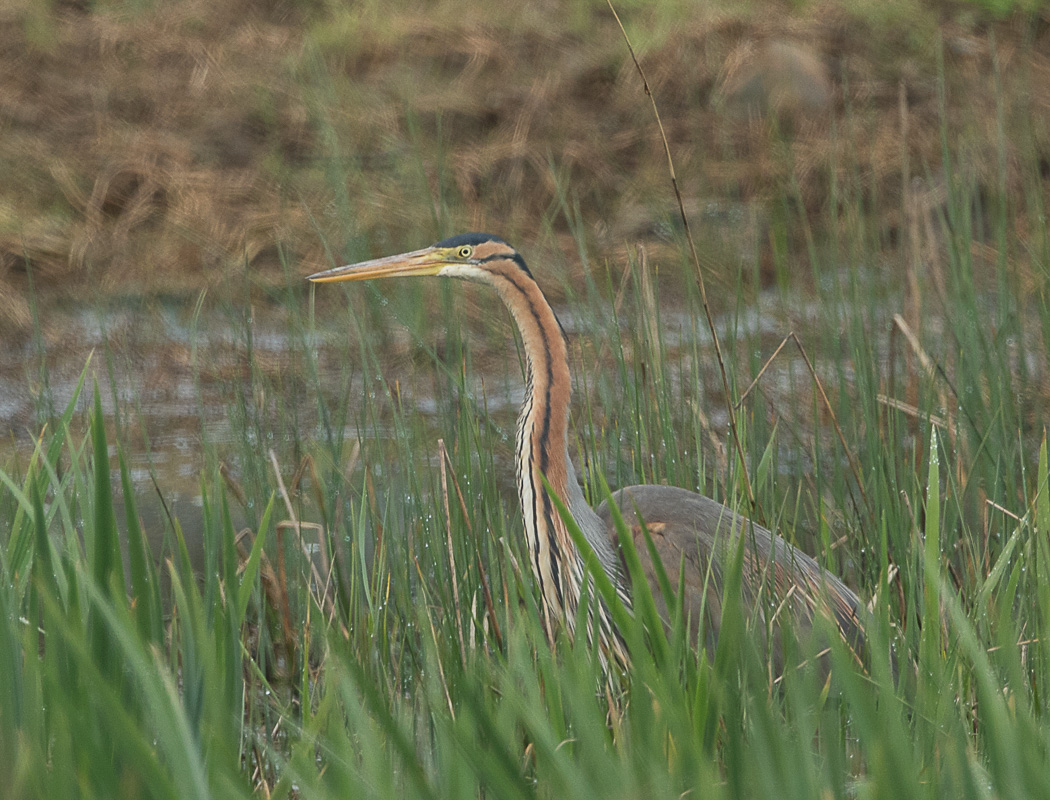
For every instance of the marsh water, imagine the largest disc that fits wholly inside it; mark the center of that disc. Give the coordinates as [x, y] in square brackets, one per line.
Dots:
[186, 389]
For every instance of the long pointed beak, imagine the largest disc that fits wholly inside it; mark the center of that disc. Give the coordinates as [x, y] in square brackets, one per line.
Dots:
[429, 261]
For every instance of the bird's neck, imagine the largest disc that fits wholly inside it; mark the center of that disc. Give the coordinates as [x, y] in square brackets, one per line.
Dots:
[542, 447]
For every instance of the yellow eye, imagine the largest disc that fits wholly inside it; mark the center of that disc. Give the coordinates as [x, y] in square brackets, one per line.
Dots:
[466, 251]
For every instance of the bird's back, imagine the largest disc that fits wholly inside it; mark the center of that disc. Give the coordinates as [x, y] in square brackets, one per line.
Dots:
[780, 584]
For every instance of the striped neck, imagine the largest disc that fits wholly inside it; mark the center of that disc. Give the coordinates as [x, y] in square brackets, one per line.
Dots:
[542, 441]
[542, 449]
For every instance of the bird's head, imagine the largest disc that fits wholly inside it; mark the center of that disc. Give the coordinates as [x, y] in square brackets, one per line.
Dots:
[469, 256]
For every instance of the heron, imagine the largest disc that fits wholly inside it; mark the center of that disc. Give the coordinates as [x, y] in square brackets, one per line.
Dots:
[694, 536]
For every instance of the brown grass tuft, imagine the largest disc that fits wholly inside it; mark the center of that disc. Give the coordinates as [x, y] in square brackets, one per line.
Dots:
[158, 150]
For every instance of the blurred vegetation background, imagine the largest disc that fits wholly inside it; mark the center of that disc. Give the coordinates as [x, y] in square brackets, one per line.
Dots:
[151, 148]
[277, 553]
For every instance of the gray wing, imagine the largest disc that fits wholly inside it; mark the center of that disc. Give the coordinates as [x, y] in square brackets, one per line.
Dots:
[781, 584]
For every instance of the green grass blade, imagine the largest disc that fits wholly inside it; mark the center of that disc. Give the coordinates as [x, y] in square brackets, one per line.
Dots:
[145, 592]
[251, 566]
[107, 569]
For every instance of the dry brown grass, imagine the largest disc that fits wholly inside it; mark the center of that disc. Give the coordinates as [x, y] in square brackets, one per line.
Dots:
[157, 150]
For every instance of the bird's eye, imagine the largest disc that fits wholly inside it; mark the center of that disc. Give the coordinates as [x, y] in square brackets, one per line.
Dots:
[466, 251]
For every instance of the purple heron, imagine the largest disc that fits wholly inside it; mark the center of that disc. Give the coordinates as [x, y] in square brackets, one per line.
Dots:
[779, 582]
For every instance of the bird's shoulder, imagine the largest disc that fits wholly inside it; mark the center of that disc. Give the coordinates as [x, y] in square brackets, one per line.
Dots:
[676, 515]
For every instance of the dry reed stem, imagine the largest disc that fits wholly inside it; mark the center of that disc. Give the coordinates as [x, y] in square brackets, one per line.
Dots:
[443, 458]
[292, 523]
[696, 263]
[1004, 510]
[937, 374]
[327, 565]
[283, 606]
[621, 293]
[650, 321]
[490, 609]
[914, 259]
[266, 573]
[854, 465]
[232, 484]
[912, 411]
[716, 444]
[433, 633]
[762, 371]
[835, 422]
[930, 368]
